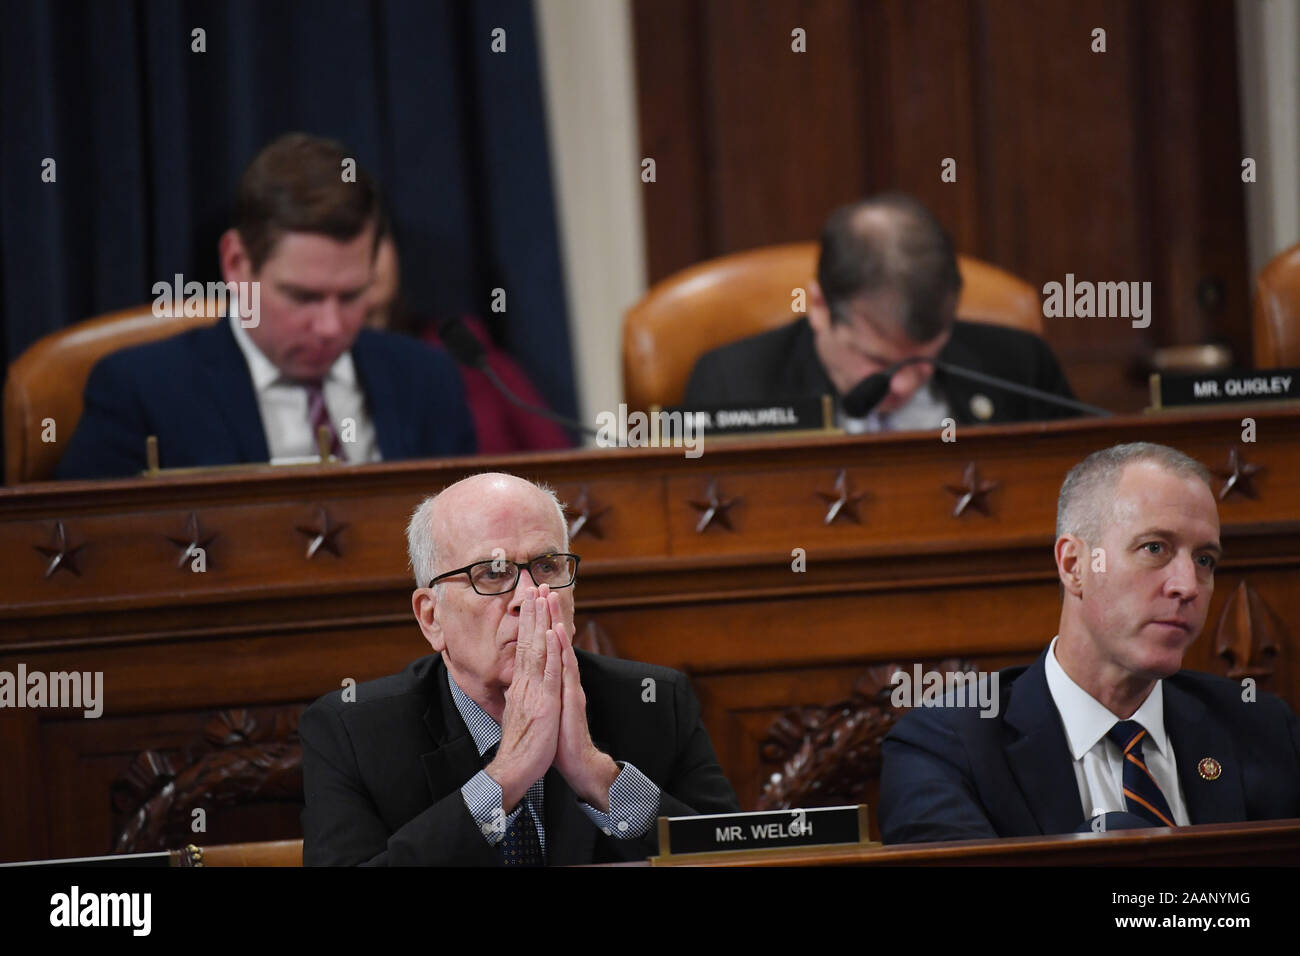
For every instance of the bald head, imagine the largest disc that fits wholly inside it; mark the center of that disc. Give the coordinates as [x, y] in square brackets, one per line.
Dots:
[458, 525]
[891, 246]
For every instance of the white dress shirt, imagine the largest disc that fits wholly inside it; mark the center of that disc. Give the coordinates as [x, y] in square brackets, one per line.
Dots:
[283, 406]
[926, 409]
[1098, 762]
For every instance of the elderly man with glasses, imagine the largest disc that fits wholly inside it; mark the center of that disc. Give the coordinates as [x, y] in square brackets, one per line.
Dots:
[507, 745]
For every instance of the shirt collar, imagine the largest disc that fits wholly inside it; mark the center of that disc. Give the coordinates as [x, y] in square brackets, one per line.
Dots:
[485, 731]
[265, 374]
[261, 368]
[1087, 720]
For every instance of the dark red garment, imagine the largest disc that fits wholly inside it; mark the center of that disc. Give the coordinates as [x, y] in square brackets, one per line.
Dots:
[502, 427]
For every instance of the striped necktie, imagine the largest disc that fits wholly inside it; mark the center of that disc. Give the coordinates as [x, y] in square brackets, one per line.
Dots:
[1142, 795]
[318, 415]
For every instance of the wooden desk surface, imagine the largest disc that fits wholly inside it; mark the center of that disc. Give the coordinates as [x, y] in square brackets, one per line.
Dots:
[789, 625]
[1255, 843]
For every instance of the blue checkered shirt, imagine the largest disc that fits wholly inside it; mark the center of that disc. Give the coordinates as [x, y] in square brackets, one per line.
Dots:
[633, 797]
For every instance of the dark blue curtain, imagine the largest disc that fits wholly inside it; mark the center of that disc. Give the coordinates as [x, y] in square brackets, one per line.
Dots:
[150, 137]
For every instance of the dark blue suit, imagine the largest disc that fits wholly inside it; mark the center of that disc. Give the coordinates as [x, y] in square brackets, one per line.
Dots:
[194, 392]
[949, 774]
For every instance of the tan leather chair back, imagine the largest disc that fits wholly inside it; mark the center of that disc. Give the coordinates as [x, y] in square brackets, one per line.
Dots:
[722, 300]
[48, 379]
[1276, 311]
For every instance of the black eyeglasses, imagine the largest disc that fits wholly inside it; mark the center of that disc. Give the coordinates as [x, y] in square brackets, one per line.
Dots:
[499, 576]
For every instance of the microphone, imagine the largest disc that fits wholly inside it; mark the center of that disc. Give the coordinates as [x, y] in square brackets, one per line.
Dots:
[462, 344]
[465, 348]
[871, 391]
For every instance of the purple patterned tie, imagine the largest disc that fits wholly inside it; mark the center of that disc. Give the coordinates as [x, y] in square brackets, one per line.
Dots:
[318, 415]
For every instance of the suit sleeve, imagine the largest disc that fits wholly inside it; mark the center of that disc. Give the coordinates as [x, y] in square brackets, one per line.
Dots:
[927, 791]
[466, 436]
[695, 784]
[342, 827]
[709, 384]
[453, 412]
[1049, 377]
[110, 436]
[1292, 723]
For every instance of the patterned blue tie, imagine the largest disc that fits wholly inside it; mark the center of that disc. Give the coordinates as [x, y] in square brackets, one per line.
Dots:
[520, 846]
[1142, 795]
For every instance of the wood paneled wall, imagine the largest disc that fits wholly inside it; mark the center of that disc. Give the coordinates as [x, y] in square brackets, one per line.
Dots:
[1115, 166]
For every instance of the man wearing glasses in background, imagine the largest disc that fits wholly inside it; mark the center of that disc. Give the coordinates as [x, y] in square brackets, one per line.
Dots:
[507, 745]
[887, 288]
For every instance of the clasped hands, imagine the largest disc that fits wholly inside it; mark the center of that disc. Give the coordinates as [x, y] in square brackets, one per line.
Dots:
[544, 724]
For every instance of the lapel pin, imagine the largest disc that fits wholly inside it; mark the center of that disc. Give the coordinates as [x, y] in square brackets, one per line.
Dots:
[981, 406]
[1209, 768]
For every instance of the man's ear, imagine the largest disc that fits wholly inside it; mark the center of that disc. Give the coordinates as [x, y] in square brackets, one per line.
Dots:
[819, 313]
[1071, 562]
[235, 264]
[424, 602]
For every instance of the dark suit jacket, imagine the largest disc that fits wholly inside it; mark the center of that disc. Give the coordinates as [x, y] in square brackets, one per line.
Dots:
[194, 392]
[781, 365]
[950, 774]
[382, 774]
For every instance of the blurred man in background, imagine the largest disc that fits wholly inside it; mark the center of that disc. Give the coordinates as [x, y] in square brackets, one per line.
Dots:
[260, 388]
[886, 290]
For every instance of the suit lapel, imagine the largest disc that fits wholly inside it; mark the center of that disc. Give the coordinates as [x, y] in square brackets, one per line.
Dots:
[456, 759]
[802, 375]
[379, 387]
[959, 391]
[1040, 758]
[229, 389]
[1194, 736]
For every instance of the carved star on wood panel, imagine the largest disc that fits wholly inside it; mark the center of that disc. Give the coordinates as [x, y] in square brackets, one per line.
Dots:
[323, 535]
[714, 508]
[191, 541]
[61, 557]
[840, 501]
[972, 492]
[587, 516]
[1239, 475]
